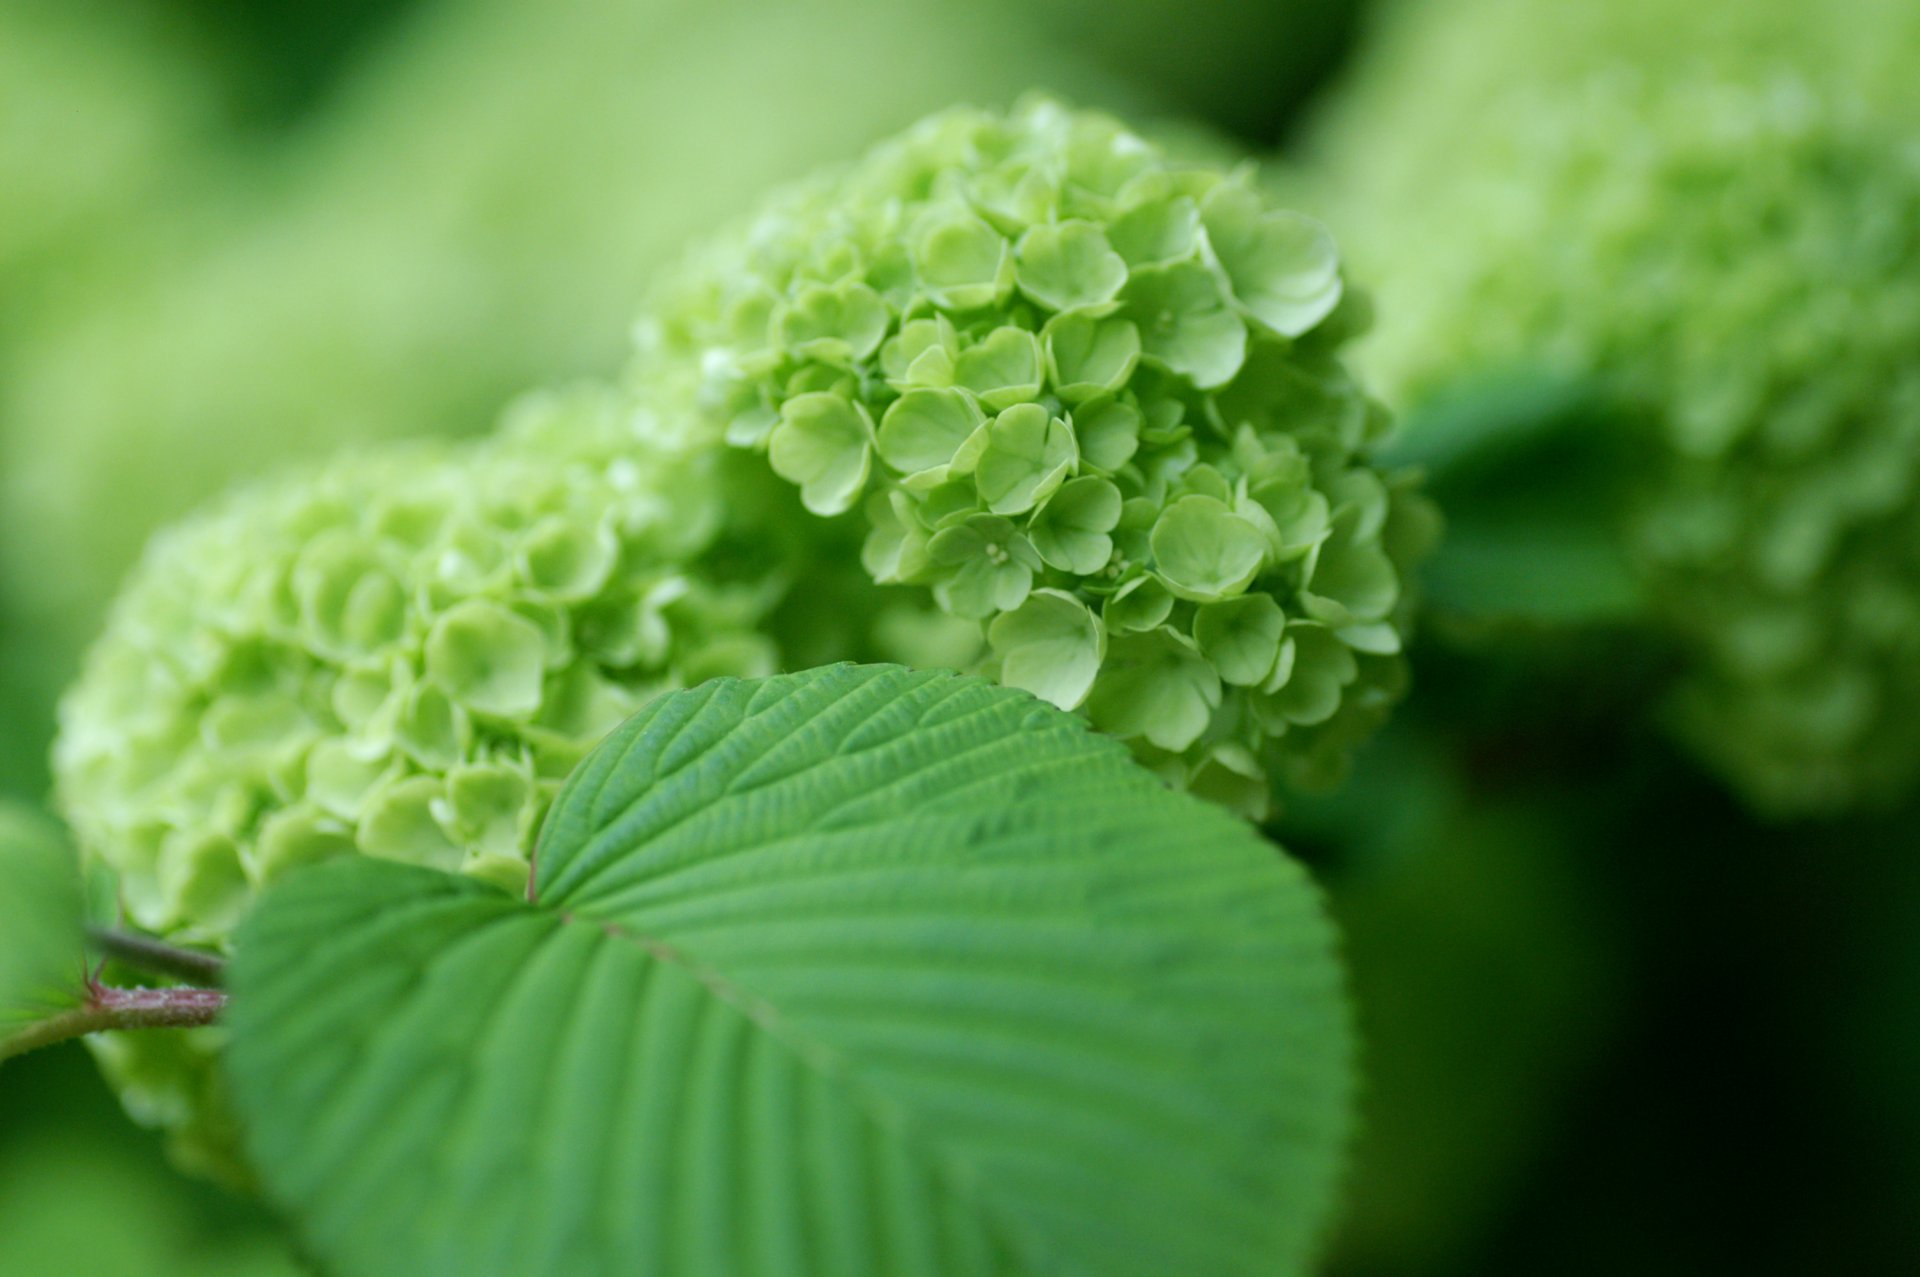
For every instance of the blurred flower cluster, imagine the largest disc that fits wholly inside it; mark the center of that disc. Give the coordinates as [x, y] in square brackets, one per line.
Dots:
[1724, 238]
[402, 655]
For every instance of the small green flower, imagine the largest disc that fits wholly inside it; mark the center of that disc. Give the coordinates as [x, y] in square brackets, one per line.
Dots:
[987, 566]
[1241, 637]
[1050, 645]
[1185, 323]
[836, 325]
[924, 430]
[1313, 669]
[1004, 369]
[1029, 453]
[824, 443]
[1282, 267]
[1071, 530]
[1155, 685]
[1069, 265]
[1204, 551]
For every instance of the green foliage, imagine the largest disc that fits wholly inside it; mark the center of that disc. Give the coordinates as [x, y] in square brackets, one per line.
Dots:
[400, 655]
[1488, 965]
[1718, 237]
[82, 1191]
[41, 963]
[98, 111]
[1033, 355]
[852, 971]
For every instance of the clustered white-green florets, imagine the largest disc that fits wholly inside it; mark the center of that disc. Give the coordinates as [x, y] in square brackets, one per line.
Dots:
[1737, 254]
[1093, 402]
[402, 655]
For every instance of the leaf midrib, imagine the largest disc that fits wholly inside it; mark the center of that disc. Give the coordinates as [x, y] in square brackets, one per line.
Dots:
[955, 1172]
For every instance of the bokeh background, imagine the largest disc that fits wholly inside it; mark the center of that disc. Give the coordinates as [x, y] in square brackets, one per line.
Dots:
[1615, 1022]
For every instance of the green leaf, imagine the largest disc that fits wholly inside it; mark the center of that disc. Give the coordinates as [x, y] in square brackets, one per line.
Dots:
[1535, 472]
[858, 971]
[41, 957]
[1051, 646]
[824, 443]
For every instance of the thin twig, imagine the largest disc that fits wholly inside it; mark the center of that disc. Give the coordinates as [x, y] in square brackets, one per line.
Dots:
[109, 1008]
[156, 957]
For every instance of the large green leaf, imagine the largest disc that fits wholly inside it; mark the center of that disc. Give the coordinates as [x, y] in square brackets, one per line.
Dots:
[41, 955]
[858, 971]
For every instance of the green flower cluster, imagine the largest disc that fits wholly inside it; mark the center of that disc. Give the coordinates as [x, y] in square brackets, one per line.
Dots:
[402, 656]
[1091, 400]
[1732, 252]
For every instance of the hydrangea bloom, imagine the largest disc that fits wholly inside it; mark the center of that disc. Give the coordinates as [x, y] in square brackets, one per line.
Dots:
[403, 656]
[1092, 402]
[1730, 249]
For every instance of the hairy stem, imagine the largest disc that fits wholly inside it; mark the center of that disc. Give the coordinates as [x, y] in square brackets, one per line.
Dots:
[144, 953]
[109, 1008]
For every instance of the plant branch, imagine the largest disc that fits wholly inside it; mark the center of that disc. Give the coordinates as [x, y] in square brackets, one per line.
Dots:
[109, 1008]
[144, 953]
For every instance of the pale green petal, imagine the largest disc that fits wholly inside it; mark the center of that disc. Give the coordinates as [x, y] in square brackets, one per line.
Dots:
[1282, 266]
[1071, 531]
[1141, 604]
[1067, 265]
[488, 658]
[1204, 551]
[1050, 645]
[1088, 357]
[964, 263]
[1108, 434]
[1241, 637]
[1029, 453]
[824, 444]
[1003, 370]
[923, 429]
[1155, 685]
[1185, 322]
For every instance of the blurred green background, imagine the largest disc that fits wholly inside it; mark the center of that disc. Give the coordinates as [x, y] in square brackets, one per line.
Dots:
[1614, 1022]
